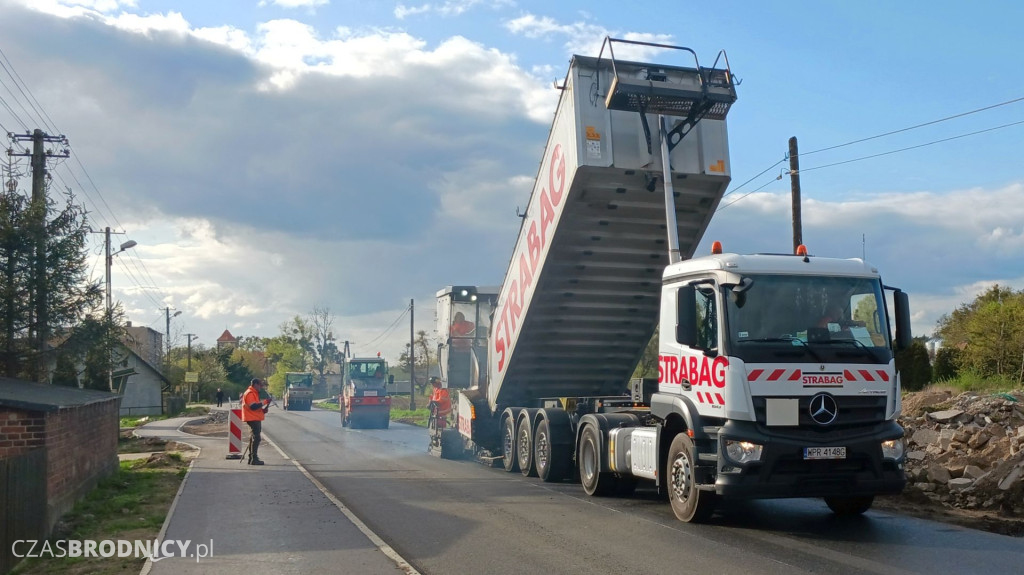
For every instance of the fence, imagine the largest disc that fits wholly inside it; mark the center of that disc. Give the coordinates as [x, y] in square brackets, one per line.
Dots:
[22, 502]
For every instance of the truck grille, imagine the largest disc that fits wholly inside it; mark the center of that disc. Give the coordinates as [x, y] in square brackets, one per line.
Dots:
[854, 411]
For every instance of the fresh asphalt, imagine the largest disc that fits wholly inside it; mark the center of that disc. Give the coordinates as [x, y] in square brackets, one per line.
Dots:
[251, 520]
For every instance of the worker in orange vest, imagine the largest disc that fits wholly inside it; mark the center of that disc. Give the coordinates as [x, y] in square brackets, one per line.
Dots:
[254, 410]
[440, 401]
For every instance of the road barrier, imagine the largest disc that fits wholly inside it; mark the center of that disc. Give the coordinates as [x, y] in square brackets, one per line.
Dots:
[234, 434]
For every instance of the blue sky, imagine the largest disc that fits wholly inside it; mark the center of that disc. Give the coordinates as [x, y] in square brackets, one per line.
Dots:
[272, 156]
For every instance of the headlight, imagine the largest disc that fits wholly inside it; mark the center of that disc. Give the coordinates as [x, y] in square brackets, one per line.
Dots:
[742, 451]
[893, 449]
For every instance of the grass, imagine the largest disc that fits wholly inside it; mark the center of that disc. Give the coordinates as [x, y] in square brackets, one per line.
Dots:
[129, 505]
[414, 417]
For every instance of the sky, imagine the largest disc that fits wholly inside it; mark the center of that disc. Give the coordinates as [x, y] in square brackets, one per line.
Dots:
[270, 157]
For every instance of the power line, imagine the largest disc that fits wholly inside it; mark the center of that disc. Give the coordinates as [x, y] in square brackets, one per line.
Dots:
[889, 133]
[907, 129]
[914, 147]
[720, 208]
[737, 188]
[52, 124]
[388, 330]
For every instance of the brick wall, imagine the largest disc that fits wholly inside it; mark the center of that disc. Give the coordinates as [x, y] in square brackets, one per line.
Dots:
[81, 446]
[21, 431]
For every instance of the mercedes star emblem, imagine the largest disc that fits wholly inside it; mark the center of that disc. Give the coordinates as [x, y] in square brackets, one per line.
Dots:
[823, 409]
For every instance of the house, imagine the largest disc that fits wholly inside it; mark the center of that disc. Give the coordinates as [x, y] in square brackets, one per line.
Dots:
[139, 383]
[146, 342]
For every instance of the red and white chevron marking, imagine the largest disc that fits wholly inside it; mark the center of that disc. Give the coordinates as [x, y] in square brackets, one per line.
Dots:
[849, 375]
[759, 375]
[235, 432]
[866, 375]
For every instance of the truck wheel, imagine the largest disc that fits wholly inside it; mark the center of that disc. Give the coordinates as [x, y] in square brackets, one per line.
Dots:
[508, 444]
[849, 505]
[594, 482]
[552, 459]
[524, 449]
[689, 503]
[451, 444]
[385, 421]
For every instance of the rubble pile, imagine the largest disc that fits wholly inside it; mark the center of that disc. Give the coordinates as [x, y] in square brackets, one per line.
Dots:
[966, 451]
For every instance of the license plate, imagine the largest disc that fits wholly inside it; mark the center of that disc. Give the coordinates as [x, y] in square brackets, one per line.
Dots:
[370, 393]
[824, 453]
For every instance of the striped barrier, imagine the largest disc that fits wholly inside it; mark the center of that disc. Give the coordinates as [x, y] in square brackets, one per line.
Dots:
[234, 434]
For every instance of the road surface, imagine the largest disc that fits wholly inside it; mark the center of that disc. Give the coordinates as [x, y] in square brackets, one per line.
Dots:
[455, 517]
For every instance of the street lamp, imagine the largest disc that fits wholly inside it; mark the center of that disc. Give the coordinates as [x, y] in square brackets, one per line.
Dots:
[110, 261]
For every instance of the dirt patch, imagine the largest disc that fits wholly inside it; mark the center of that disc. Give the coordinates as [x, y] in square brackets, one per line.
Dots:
[215, 424]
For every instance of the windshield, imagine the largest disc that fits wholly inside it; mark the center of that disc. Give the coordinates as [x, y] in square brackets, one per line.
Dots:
[827, 319]
[367, 369]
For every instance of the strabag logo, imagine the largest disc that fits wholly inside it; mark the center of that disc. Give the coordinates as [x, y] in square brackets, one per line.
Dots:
[823, 379]
[154, 550]
[525, 262]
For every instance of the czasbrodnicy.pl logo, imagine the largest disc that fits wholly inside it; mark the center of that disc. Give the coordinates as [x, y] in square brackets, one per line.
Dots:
[152, 549]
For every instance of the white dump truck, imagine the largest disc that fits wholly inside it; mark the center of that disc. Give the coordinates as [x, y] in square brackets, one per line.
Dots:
[776, 373]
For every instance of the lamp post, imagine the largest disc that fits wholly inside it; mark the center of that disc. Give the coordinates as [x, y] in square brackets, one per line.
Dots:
[110, 261]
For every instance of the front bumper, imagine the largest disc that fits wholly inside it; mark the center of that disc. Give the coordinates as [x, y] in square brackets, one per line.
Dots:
[783, 471]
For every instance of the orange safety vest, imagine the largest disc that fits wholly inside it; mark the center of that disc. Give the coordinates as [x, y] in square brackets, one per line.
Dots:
[251, 395]
[443, 401]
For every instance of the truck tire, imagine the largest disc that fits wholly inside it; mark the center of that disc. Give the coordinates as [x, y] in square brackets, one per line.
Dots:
[385, 421]
[689, 503]
[524, 448]
[594, 482]
[508, 444]
[451, 444]
[550, 453]
[846, 506]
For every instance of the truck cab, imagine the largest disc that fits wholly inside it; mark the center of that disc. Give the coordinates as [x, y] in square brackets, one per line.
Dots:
[364, 400]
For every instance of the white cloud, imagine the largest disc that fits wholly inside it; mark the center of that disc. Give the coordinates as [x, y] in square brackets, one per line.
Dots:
[587, 39]
[448, 8]
[311, 4]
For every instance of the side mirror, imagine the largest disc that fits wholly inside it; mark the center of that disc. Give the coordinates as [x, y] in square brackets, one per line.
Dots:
[686, 316]
[391, 380]
[901, 303]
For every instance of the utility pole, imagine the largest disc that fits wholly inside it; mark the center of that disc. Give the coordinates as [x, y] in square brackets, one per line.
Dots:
[412, 357]
[189, 368]
[794, 182]
[40, 331]
[167, 356]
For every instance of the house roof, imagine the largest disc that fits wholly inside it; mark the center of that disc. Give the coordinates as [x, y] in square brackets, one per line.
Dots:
[226, 336]
[20, 394]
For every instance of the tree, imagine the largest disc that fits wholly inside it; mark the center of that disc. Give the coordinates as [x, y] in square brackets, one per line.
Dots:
[987, 333]
[944, 364]
[284, 354]
[913, 367]
[426, 357]
[323, 349]
[69, 296]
